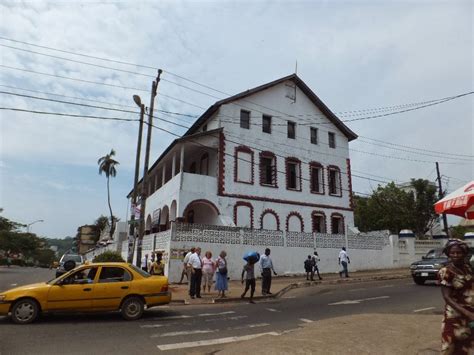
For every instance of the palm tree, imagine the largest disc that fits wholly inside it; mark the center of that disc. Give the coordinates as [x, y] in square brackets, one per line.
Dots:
[107, 166]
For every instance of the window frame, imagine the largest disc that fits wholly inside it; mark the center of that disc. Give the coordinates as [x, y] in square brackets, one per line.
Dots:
[315, 130]
[338, 181]
[244, 121]
[297, 163]
[273, 158]
[269, 125]
[293, 125]
[125, 271]
[317, 214]
[332, 140]
[340, 224]
[247, 150]
[312, 166]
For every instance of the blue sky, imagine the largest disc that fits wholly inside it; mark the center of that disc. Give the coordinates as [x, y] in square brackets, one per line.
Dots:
[355, 55]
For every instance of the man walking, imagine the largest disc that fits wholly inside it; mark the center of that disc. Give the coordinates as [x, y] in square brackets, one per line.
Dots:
[266, 267]
[195, 264]
[186, 269]
[344, 260]
[249, 272]
[315, 259]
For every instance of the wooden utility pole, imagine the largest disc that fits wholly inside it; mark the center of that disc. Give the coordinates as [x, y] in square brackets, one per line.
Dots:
[132, 238]
[154, 89]
[440, 195]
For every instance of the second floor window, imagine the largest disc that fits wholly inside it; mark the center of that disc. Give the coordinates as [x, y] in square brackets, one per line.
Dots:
[334, 182]
[291, 130]
[266, 124]
[332, 139]
[293, 175]
[314, 135]
[268, 170]
[244, 119]
[316, 179]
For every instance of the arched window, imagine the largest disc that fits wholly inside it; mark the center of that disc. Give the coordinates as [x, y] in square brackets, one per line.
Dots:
[243, 214]
[318, 220]
[269, 220]
[243, 165]
[294, 222]
[337, 223]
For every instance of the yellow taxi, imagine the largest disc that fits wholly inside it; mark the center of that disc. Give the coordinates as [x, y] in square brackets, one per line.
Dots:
[88, 288]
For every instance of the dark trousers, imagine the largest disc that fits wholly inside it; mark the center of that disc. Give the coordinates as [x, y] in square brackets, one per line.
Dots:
[344, 269]
[195, 285]
[316, 270]
[249, 284]
[266, 280]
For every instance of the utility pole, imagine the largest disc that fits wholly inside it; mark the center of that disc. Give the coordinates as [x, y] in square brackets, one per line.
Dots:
[132, 239]
[154, 89]
[440, 194]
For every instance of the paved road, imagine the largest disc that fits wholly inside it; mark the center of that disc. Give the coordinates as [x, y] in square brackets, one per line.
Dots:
[170, 329]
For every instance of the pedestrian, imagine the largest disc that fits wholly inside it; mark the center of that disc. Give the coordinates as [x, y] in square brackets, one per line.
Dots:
[208, 269]
[195, 264]
[457, 288]
[308, 268]
[315, 259]
[249, 272]
[158, 266]
[184, 271]
[144, 263]
[186, 266]
[221, 275]
[9, 260]
[266, 266]
[344, 260]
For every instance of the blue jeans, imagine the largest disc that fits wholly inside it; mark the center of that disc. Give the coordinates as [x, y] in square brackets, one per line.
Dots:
[344, 269]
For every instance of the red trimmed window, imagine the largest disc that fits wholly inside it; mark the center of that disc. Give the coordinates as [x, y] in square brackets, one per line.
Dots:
[316, 178]
[243, 214]
[243, 161]
[334, 181]
[244, 119]
[293, 174]
[319, 222]
[267, 124]
[337, 223]
[268, 171]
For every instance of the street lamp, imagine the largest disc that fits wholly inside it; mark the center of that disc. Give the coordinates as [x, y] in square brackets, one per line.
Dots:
[29, 224]
[138, 101]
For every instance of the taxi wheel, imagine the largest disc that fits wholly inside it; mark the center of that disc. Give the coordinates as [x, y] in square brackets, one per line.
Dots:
[132, 308]
[25, 311]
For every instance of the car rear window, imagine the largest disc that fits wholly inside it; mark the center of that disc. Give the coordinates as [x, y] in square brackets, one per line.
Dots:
[140, 271]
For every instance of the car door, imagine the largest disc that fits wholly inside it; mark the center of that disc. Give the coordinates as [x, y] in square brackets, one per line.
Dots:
[113, 285]
[74, 292]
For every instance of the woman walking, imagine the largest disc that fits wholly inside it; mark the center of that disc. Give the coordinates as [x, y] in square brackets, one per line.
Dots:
[457, 288]
[221, 275]
[208, 268]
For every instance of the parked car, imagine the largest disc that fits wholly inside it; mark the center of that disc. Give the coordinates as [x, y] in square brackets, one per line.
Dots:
[69, 262]
[427, 268]
[88, 288]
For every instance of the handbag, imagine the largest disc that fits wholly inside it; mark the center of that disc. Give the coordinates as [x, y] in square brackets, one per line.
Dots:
[223, 270]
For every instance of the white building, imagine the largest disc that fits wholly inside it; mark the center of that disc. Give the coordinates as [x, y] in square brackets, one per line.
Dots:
[273, 157]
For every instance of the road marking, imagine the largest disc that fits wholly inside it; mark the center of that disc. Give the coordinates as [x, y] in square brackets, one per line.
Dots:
[215, 314]
[225, 318]
[289, 297]
[272, 310]
[423, 309]
[227, 340]
[306, 320]
[13, 284]
[386, 286]
[258, 325]
[358, 289]
[357, 301]
[174, 317]
[190, 332]
[153, 325]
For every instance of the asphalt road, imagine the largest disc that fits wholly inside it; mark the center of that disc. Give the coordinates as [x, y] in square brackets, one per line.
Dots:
[182, 329]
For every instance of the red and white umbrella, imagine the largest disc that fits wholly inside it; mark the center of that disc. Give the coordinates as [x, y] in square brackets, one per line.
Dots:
[459, 202]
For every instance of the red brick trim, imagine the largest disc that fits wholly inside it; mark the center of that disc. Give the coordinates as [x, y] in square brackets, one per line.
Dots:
[334, 167]
[288, 202]
[269, 211]
[203, 201]
[292, 160]
[221, 172]
[246, 204]
[313, 221]
[349, 181]
[315, 164]
[243, 149]
[294, 213]
[335, 214]
[268, 154]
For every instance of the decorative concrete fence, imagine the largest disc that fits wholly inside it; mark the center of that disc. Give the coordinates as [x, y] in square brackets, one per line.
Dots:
[373, 250]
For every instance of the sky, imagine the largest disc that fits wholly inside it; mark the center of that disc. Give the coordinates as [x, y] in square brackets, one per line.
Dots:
[355, 55]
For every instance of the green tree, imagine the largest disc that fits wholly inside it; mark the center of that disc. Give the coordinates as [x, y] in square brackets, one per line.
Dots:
[108, 256]
[390, 207]
[107, 166]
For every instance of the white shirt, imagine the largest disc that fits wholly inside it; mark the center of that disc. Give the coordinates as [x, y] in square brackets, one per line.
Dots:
[186, 258]
[343, 256]
[195, 261]
[315, 259]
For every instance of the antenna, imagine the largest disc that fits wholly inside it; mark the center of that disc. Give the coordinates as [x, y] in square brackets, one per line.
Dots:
[296, 67]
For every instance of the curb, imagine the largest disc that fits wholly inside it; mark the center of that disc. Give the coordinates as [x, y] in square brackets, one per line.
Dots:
[291, 287]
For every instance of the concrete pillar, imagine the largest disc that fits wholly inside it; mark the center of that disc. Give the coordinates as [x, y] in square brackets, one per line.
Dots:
[173, 166]
[163, 176]
[181, 159]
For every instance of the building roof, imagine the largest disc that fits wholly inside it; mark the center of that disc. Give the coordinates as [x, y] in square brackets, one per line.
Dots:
[301, 85]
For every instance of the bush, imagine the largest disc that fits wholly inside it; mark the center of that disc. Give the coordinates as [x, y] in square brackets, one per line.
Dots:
[108, 256]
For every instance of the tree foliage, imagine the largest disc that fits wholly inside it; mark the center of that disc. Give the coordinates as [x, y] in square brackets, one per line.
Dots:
[390, 207]
[107, 166]
[108, 256]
